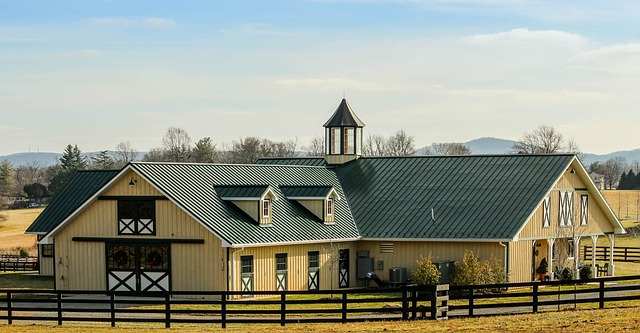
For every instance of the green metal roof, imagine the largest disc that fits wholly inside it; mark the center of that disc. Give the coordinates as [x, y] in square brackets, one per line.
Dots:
[236, 191]
[306, 191]
[81, 187]
[309, 161]
[192, 186]
[472, 197]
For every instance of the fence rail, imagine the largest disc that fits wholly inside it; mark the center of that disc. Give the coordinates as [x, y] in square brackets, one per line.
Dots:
[13, 263]
[327, 306]
[621, 254]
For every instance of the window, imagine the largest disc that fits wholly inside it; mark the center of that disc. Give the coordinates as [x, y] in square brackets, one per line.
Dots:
[246, 264]
[584, 209]
[47, 250]
[546, 212]
[281, 261]
[566, 208]
[314, 259]
[335, 140]
[349, 141]
[136, 217]
[330, 206]
[266, 208]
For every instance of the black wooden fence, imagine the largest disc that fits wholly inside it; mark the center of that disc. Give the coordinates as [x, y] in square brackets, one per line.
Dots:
[13, 263]
[603, 253]
[333, 306]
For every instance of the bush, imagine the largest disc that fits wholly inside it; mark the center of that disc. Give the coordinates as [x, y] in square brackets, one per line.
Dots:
[586, 273]
[426, 273]
[565, 274]
[23, 252]
[471, 270]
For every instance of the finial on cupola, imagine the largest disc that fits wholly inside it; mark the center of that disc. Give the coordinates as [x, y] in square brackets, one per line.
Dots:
[343, 135]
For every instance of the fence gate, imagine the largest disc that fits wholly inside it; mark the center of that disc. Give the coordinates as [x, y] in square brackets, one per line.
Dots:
[138, 267]
[343, 265]
[314, 270]
[281, 271]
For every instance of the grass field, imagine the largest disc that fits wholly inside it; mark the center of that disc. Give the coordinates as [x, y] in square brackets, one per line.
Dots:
[13, 223]
[608, 320]
[626, 204]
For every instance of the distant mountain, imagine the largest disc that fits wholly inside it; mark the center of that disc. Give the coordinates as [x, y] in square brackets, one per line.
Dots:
[48, 159]
[628, 155]
[490, 146]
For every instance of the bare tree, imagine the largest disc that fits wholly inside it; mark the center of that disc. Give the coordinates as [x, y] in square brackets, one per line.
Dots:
[375, 145]
[316, 147]
[155, 155]
[124, 153]
[542, 140]
[248, 150]
[449, 149]
[612, 169]
[401, 144]
[177, 145]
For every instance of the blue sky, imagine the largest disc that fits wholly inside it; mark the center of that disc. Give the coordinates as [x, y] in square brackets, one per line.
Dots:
[97, 73]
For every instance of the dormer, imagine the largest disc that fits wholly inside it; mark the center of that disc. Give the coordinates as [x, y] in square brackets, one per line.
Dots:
[343, 135]
[255, 200]
[318, 200]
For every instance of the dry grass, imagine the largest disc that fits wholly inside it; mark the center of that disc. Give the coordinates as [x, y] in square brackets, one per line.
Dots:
[609, 320]
[626, 204]
[12, 230]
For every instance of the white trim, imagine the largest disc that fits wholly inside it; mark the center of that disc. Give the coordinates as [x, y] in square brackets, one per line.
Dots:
[461, 240]
[319, 241]
[35, 233]
[559, 237]
[240, 198]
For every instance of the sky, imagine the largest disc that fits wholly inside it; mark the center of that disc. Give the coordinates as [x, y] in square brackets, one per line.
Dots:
[96, 73]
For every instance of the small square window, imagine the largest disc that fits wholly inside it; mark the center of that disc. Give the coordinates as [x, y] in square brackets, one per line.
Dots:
[330, 206]
[47, 250]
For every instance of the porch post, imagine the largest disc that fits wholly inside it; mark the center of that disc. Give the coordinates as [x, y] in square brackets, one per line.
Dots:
[550, 257]
[576, 256]
[594, 246]
[611, 249]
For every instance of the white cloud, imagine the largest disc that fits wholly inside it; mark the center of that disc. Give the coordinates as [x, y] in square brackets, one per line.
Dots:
[130, 22]
[529, 36]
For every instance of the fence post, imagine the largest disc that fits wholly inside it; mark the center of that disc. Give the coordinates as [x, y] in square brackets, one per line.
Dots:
[112, 308]
[59, 306]
[9, 311]
[414, 303]
[434, 302]
[344, 307]
[601, 295]
[471, 301]
[283, 308]
[405, 303]
[535, 297]
[223, 310]
[167, 310]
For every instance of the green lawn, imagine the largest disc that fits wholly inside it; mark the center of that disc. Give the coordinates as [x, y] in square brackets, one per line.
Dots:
[22, 280]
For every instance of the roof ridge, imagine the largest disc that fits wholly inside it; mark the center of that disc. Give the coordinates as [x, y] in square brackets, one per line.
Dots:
[230, 164]
[471, 155]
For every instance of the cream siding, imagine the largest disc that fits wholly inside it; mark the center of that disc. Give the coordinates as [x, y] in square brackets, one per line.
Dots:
[316, 207]
[520, 261]
[45, 265]
[264, 269]
[405, 254]
[81, 265]
[250, 207]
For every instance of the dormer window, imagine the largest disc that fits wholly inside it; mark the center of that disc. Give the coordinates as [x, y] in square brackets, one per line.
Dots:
[255, 201]
[318, 200]
[330, 206]
[266, 208]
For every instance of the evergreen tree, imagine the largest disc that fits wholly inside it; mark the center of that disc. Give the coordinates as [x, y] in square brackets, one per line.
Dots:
[103, 161]
[6, 178]
[634, 180]
[204, 151]
[622, 183]
[70, 162]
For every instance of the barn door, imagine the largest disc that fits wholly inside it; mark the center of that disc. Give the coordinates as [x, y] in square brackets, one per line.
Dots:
[246, 273]
[138, 267]
[281, 271]
[343, 266]
[314, 270]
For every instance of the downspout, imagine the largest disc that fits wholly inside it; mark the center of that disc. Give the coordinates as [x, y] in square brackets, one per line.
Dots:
[506, 259]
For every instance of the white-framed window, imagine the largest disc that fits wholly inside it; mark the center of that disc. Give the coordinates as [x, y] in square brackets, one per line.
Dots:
[266, 208]
[349, 140]
[546, 212]
[566, 208]
[584, 209]
[335, 141]
[330, 207]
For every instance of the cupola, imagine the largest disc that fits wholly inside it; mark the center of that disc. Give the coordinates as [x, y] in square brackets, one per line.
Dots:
[343, 135]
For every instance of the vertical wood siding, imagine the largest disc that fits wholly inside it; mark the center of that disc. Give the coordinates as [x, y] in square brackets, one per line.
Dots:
[251, 208]
[598, 222]
[264, 265]
[81, 265]
[520, 261]
[405, 254]
[46, 265]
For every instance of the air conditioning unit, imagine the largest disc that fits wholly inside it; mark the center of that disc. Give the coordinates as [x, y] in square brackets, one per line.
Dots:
[398, 275]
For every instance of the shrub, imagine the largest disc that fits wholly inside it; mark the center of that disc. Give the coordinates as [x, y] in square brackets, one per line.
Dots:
[471, 270]
[543, 267]
[566, 274]
[426, 273]
[23, 252]
[586, 272]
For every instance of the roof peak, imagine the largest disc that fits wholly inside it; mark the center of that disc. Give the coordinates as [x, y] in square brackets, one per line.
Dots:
[344, 116]
[229, 164]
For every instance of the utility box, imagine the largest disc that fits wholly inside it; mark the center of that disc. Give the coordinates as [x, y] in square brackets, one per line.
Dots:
[365, 265]
[398, 275]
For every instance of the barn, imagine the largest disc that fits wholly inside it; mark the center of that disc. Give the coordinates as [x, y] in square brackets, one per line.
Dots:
[317, 223]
